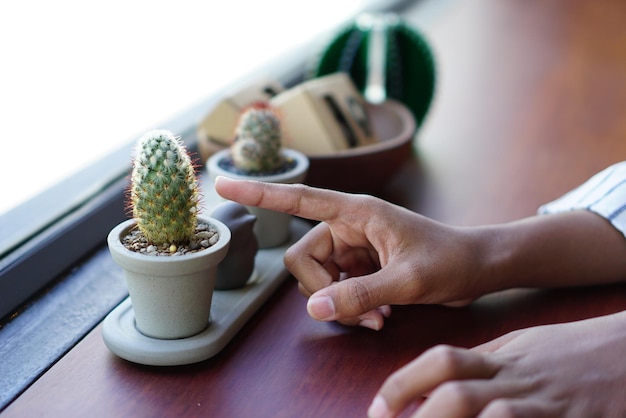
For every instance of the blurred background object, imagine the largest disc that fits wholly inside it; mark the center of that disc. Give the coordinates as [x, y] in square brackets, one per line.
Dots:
[386, 57]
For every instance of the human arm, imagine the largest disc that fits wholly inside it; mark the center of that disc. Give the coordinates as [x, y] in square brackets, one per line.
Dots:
[394, 256]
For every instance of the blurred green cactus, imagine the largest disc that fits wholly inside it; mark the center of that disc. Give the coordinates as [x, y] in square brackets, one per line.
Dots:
[164, 189]
[257, 142]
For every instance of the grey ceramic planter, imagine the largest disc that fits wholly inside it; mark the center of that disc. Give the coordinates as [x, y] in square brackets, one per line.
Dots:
[271, 228]
[171, 295]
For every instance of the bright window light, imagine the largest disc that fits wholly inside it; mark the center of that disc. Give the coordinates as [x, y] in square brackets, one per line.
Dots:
[78, 79]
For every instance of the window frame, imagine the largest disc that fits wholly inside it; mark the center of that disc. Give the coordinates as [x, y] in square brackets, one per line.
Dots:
[65, 223]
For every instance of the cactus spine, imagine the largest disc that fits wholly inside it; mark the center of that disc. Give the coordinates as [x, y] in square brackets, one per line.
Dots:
[164, 189]
[257, 140]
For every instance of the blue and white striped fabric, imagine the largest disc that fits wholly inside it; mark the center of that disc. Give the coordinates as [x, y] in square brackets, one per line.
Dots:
[604, 194]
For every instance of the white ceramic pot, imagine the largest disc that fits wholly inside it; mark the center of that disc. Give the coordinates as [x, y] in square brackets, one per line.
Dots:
[171, 295]
[271, 228]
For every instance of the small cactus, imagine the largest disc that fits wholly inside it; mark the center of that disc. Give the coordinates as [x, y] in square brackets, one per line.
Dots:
[164, 189]
[257, 142]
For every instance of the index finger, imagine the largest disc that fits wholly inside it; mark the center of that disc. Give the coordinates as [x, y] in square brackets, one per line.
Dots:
[294, 199]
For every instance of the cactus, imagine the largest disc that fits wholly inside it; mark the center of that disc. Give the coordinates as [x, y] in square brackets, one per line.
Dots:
[257, 142]
[164, 189]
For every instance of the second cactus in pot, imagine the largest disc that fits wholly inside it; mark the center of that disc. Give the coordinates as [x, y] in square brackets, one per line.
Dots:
[257, 152]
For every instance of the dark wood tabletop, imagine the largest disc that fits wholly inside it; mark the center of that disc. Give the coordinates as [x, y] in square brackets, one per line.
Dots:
[530, 102]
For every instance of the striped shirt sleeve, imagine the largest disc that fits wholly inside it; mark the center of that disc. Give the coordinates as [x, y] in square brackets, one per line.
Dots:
[603, 194]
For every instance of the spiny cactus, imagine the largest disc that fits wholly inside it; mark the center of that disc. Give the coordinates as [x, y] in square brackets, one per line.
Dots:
[257, 140]
[164, 189]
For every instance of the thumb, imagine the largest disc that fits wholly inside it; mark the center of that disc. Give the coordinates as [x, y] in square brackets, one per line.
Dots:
[346, 299]
[321, 307]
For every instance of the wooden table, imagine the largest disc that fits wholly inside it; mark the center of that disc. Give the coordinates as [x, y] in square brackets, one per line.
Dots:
[531, 101]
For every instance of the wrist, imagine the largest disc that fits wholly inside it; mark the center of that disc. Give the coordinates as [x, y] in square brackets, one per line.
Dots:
[492, 255]
[569, 249]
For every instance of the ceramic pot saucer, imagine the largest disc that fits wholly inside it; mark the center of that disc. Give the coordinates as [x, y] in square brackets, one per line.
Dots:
[230, 310]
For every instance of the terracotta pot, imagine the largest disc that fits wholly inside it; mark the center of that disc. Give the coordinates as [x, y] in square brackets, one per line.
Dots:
[171, 295]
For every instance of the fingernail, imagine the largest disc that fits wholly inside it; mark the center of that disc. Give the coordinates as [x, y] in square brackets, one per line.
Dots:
[321, 307]
[371, 324]
[379, 408]
[385, 310]
[222, 179]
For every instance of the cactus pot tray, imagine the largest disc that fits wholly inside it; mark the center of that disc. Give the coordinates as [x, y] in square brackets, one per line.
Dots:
[230, 310]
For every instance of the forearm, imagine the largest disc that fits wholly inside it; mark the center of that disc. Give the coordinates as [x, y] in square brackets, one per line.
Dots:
[566, 249]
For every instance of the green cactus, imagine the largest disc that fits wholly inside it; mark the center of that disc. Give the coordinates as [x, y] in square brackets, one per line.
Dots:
[164, 189]
[257, 142]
